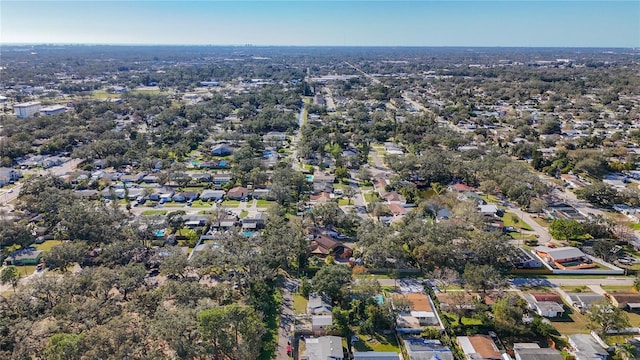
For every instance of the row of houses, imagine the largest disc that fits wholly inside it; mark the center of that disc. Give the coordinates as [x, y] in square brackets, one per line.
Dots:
[167, 194]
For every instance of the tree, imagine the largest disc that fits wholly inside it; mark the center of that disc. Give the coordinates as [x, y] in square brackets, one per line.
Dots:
[350, 192]
[482, 277]
[174, 263]
[332, 281]
[598, 193]
[62, 256]
[563, 229]
[606, 316]
[130, 277]
[550, 126]
[445, 277]
[507, 313]
[64, 347]
[232, 331]
[10, 275]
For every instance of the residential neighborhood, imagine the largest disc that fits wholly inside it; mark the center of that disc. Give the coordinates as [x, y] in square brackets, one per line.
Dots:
[233, 205]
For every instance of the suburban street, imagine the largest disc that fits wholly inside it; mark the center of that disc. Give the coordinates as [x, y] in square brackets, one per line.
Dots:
[287, 318]
[71, 165]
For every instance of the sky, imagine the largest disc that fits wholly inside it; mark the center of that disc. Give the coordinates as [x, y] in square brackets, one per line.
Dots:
[518, 23]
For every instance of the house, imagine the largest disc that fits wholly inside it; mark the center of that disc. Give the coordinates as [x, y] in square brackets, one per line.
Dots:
[545, 304]
[488, 209]
[323, 348]
[256, 221]
[212, 195]
[583, 301]
[238, 193]
[263, 194]
[221, 179]
[375, 355]
[532, 351]
[629, 301]
[202, 177]
[323, 182]
[461, 188]
[585, 347]
[567, 257]
[224, 222]
[185, 196]
[419, 312]
[479, 347]
[318, 305]
[397, 209]
[8, 176]
[320, 323]
[324, 245]
[222, 150]
[26, 256]
[463, 300]
[422, 349]
[321, 198]
[274, 136]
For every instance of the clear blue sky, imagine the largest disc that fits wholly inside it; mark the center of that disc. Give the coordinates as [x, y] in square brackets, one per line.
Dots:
[396, 23]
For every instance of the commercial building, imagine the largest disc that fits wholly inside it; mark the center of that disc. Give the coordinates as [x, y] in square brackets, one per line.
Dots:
[53, 110]
[27, 109]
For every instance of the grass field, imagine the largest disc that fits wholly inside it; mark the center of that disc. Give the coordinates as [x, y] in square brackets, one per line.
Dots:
[541, 221]
[231, 203]
[299, 304]
[343, 201]
[265, 203]
[47, 245]
[617, 288]
[201, 204]
[490, 198]
[574, 323]
[377, 342]
[243, 214]
[511, 219]
[154, 212]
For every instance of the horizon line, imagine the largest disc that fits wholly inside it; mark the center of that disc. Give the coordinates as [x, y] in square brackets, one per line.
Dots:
[315, 46]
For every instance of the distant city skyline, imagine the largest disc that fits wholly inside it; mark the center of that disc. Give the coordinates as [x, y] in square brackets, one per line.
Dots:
[325, 23]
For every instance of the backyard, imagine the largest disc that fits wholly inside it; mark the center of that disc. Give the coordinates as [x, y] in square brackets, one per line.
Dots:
[377, 342]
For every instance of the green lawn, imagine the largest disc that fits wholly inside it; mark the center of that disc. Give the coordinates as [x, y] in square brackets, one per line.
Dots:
[343, 201]
[243, 214]
[265, 203]
[490, 198]
[573, 323]
[376, 342]
[617, 288]
[369, 197]
[154, 212]
[231, 203]
[634, 226]
[511, 219]
[299, 304]
[26, 270]
[541, 221]
[47, 245]
[466, 321]
[201, 204]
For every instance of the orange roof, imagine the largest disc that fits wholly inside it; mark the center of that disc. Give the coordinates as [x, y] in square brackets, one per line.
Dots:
[547, 297]
[485, 346]
[419, 302]
[397, 209]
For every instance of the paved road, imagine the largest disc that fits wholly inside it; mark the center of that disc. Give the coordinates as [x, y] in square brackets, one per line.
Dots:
[574, 281]
[71, 165]
[287, 318]
[554, 282]
[539, 230]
